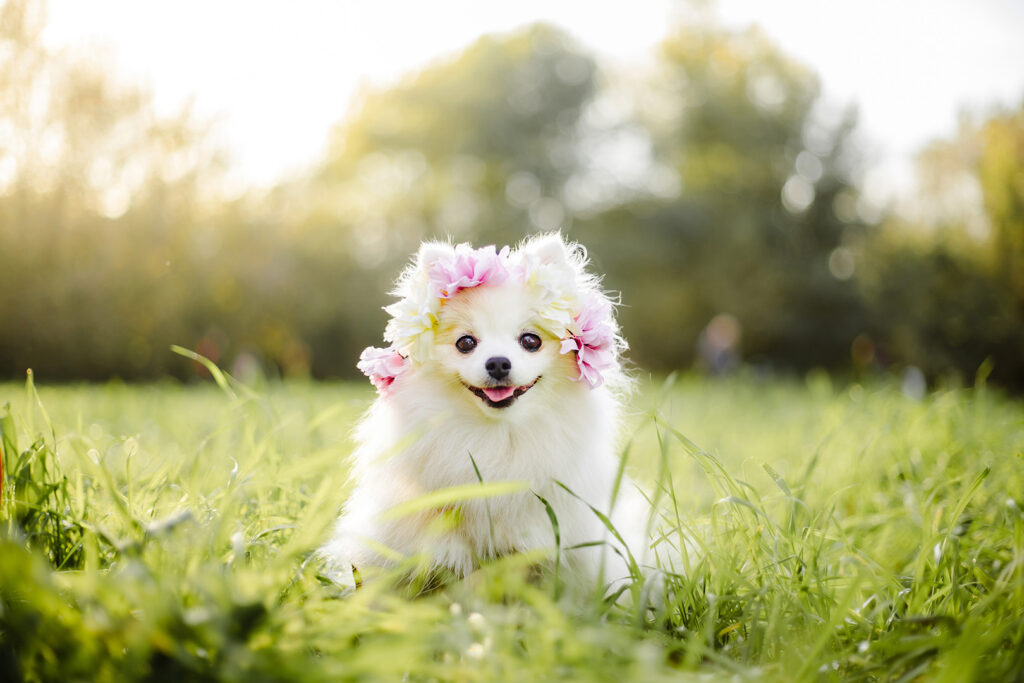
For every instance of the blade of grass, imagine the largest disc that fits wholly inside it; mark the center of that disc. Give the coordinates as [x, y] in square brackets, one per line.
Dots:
[454, 494]
[218, 375]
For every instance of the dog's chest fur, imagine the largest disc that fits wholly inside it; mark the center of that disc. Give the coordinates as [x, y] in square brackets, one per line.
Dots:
[411, 447]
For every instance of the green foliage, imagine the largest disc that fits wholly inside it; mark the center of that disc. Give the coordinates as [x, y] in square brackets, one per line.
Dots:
[1000, 171]
[950, 299]
[828, 533]
[37, 497]
[941, 309]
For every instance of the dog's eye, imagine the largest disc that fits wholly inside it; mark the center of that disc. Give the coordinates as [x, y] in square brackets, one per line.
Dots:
[530, 341]
[465, 344]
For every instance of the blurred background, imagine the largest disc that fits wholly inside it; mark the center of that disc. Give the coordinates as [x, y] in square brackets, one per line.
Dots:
[779, 185]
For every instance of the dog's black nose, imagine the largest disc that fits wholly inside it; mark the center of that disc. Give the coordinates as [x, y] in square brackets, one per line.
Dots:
[498, 367]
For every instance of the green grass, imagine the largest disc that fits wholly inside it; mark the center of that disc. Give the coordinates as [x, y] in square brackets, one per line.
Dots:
[829, 533]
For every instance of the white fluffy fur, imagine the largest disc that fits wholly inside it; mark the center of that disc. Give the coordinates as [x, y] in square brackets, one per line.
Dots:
[419, 436]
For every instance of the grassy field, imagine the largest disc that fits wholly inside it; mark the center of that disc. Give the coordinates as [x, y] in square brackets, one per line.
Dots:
[843, 533]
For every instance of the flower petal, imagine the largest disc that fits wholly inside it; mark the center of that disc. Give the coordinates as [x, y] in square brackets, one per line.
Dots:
[382, 366]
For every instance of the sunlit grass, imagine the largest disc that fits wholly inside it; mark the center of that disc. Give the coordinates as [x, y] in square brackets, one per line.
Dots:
[808, 532]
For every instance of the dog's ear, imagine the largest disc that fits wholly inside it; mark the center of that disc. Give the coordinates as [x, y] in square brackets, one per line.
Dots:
[430, 252]
[548, 249]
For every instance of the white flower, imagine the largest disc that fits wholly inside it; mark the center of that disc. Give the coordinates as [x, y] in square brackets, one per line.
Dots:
[412, 324]
[554, 284]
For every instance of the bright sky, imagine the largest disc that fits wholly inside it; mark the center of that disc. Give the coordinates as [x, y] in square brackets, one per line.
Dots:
[278, 74]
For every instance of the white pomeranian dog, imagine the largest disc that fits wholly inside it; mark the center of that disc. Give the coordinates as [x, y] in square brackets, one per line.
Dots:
[503, 367]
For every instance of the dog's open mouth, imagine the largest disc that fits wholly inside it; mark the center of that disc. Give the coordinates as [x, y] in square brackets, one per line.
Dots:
[501, 397]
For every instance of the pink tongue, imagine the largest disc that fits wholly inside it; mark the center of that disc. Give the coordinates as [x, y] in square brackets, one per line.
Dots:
[499, 393]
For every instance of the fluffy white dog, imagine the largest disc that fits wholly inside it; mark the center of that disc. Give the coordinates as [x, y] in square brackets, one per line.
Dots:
[502, 367]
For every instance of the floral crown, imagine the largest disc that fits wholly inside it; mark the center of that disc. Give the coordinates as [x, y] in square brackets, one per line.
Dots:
[572, 306]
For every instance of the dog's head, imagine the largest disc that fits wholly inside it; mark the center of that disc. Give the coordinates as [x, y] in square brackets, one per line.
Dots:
[492, 340]
[500, 326]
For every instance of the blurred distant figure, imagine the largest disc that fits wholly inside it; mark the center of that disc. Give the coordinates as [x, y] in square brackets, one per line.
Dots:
[719, 344]
[914, 384]
[248, 368]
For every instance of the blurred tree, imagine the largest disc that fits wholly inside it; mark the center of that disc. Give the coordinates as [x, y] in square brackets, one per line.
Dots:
[477, 147]
[97, 198]
[765, 216]
[1001, 173]
[1000, 170]
[946, 287]
[937, 306]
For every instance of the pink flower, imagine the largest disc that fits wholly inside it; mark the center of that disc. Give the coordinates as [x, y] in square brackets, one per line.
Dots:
[593, 342]
[382, 366]
[466, 268]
